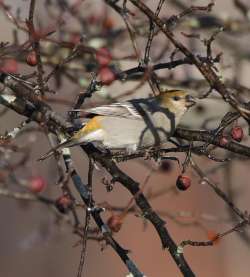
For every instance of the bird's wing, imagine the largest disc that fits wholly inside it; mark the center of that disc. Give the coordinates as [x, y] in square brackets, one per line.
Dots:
[125, 110]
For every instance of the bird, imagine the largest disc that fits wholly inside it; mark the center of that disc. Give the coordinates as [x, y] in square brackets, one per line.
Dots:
[131, 125]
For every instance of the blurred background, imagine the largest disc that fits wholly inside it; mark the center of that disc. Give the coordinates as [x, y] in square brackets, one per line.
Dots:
[36, 241]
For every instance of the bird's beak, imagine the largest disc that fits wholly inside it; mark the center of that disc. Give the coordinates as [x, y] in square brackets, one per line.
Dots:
[190, 101]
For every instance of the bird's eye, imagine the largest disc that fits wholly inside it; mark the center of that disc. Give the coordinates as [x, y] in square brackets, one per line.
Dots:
[176, 98]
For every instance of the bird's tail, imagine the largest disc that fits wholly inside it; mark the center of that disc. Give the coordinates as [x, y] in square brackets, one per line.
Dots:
[64, 144]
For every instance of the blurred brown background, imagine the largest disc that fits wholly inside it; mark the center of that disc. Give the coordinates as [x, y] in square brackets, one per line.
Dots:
[32, 244]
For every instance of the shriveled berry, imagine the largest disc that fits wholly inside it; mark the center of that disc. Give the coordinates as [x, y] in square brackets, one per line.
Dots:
[183, 182]
[37, 184]
[103, 56]
[115, 223]
[64, 203]
[237, 133]
[223, 141]
[107, 76]
[165, 166]
[31, 58]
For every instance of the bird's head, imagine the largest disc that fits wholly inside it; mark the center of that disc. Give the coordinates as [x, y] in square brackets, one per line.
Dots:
[177, 101]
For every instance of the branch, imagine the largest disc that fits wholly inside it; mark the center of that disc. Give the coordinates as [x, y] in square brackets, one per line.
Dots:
[147, 211]
[205, 69]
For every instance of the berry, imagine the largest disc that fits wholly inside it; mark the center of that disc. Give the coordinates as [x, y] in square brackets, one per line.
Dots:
[75, 38]
[183, 182]
[103, 56]
[213, 236]
[9, 66]
[107, 76]
[93, 19]
[64, 203]
[237, 133]
[108, 23]
[31, 58]
[114, 223]
[223, 141]
[37, 184]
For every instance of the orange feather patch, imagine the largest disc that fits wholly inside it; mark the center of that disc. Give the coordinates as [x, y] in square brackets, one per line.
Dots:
[93, 125]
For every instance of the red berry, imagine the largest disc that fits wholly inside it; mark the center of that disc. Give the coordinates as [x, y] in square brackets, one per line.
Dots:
[108, 23]
[37, 184]
[183, 182]
[237, 133]
[213, 236]
[64, 203]
[103, 56]
[31, 58]
[107, 76]
[223, 141]
[9, 66]
[93, 19]
[114, 223]
[75, 38]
